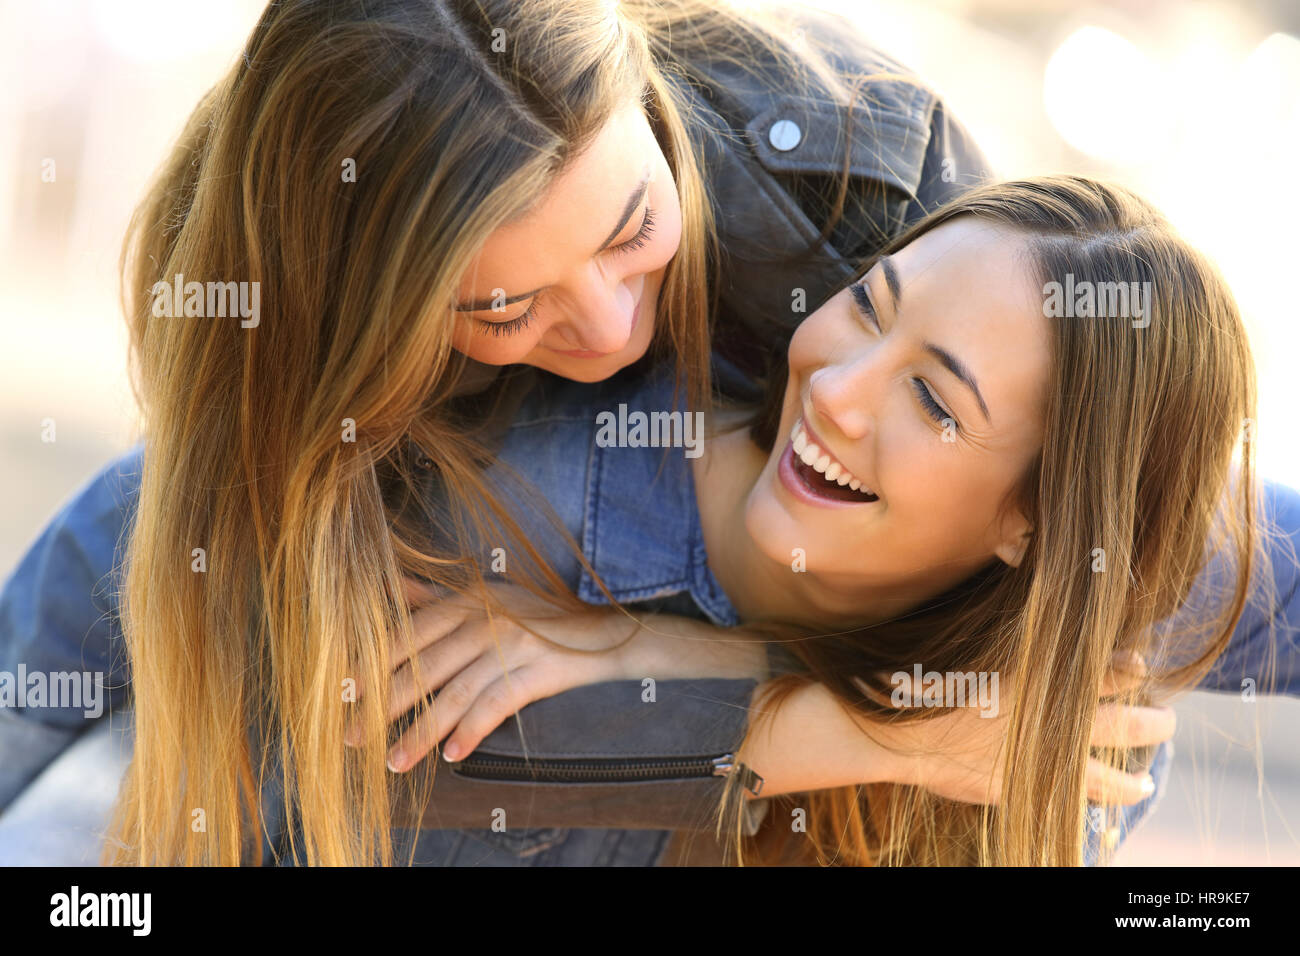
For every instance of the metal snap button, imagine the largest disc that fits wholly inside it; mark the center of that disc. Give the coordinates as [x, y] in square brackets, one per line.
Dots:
[785, 135]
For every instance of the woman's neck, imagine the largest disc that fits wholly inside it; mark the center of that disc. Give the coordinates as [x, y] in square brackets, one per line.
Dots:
[760, 587]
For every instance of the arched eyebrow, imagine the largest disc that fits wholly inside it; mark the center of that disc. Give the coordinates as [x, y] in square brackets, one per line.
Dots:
[633, 201]
[949, 361]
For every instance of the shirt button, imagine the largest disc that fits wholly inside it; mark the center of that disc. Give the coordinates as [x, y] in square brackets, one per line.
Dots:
[785, 135]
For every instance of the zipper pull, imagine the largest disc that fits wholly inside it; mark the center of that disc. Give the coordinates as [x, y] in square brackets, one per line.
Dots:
[724, 765]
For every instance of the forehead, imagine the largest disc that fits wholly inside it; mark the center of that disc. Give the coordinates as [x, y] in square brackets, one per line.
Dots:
[968, 287]
[575, 214]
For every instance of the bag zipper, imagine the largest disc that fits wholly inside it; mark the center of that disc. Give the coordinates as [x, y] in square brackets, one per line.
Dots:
[604, 769]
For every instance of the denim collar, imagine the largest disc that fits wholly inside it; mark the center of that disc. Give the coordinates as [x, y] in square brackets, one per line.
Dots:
[641, 525]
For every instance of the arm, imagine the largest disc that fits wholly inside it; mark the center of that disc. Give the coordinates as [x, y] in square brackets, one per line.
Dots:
[1267, 630]
[622, 752]
[58, 616]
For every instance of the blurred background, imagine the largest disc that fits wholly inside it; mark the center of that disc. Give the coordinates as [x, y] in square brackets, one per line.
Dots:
[1194, 104]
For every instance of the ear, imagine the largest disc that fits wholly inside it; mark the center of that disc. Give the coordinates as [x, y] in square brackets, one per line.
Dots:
[1013, 538]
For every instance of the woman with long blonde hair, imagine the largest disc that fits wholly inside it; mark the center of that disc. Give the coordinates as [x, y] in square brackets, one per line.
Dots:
[419, 191]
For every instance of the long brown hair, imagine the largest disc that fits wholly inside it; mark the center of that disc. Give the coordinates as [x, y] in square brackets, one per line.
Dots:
[264, 570]
[1135, 488]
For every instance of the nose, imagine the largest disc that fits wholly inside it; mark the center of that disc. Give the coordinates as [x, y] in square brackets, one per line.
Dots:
[600, 318]
[847, 395]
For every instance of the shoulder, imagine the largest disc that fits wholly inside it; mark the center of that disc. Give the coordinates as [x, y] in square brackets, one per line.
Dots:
[818, 147]
[91, 524]
[793, 88]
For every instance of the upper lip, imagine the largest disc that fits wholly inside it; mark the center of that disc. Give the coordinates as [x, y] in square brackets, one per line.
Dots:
[817, 440]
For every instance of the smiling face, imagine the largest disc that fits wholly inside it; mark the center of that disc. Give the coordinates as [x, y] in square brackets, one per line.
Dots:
[572, 286]
[914, 405]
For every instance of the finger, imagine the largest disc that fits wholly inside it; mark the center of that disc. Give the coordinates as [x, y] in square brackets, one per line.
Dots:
[441, 717]
[418, 592]
[1120, 726]
[429, 624]
[424, 674]
[1107, 784]
[498, 702]
[1127, 671]
[433, 667]
[445, 655]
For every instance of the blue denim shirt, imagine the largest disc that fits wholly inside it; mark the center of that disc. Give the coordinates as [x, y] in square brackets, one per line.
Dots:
[632, 510]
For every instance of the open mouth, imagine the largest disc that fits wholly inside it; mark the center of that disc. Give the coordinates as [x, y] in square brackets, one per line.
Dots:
[816, 473]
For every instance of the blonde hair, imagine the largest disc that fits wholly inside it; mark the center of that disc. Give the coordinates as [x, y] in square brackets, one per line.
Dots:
[1141, 428]
[301, 593]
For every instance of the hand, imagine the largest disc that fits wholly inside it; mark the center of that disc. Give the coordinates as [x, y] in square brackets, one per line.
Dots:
[961, 755]
[484, 669]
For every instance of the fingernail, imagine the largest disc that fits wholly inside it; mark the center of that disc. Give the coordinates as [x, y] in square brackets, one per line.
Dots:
[394, 762]
[451, 753]
[1148, 786]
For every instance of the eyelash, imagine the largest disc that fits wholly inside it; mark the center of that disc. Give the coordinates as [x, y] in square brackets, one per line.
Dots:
[642, 236]
[514, 325]
[520, 323]
[923, 393]
[935, 410]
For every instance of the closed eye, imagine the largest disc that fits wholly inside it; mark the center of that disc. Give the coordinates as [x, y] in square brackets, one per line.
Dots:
[923, 393]
[511, 326]
[859, 293]
[932, 407]
[642, 236]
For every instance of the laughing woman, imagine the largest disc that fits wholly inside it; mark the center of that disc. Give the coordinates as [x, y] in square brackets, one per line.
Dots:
[952, 504]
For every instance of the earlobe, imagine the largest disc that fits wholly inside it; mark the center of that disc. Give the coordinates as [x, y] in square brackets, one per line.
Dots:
[1016, 534]
[1012, 550]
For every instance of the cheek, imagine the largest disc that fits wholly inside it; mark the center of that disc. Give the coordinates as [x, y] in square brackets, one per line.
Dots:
[804, 355]
[818, 339]
[943, 496]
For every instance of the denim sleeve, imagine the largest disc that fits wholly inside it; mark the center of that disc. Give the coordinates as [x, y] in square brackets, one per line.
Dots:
[1253, 651]
[59, 607]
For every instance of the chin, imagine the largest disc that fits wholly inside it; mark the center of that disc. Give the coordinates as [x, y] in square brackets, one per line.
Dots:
[773, 530]
[589, 370]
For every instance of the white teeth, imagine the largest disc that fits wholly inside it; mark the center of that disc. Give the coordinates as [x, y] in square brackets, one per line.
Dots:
[820, 461]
